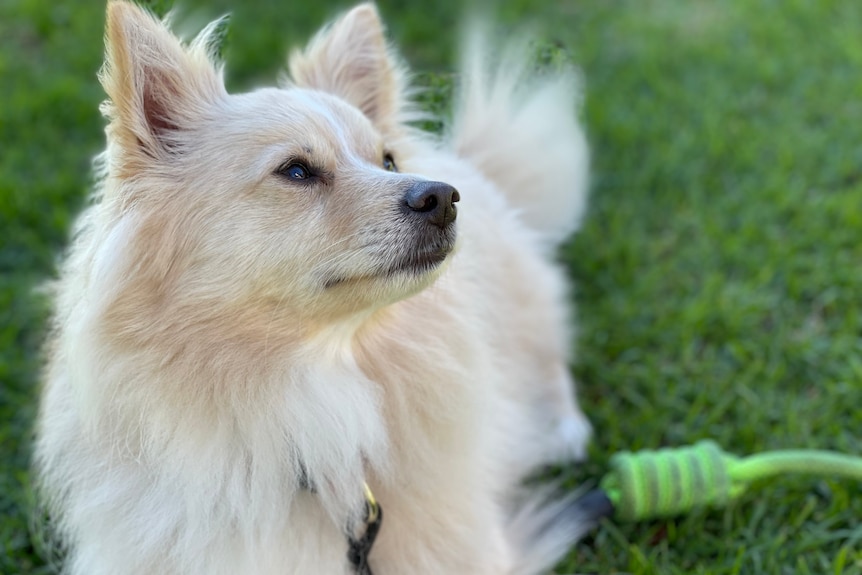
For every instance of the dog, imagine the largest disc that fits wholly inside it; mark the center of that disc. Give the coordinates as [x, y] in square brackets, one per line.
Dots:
[289, 314]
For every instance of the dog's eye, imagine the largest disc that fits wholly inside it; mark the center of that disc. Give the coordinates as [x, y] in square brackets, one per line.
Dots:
[389, 163]
[295, 171]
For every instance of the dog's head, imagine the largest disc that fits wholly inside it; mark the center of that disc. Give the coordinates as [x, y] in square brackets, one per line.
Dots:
[291, 197]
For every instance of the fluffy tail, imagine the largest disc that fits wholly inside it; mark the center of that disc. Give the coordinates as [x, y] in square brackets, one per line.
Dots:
[543, 530]
[519, 126]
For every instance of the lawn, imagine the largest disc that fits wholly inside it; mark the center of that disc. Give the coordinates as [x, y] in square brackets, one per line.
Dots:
[718, 274]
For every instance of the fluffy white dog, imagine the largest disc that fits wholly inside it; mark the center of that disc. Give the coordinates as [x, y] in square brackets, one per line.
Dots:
[287, 303]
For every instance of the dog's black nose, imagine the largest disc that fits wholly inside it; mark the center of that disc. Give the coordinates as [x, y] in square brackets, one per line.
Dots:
[435, 201]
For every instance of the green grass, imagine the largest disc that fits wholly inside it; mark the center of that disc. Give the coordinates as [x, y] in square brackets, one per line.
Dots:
[718, 275]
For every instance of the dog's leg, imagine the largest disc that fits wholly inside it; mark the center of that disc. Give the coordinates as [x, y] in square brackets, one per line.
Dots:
[571, 430]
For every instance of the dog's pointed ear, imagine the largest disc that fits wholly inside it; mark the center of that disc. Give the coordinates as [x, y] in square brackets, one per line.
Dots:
[156, 86]
[350, 59]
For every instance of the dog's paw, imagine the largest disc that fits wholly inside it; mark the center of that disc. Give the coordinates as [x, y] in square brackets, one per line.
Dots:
[571, 434]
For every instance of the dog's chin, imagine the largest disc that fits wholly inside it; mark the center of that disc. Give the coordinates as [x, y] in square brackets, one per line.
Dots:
[416, 268]
[417, 264]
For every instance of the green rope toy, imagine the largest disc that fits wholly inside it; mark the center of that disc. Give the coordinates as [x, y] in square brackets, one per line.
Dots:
[667, 482]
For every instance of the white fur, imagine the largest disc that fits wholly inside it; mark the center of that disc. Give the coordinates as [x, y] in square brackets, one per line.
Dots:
[518, 126]
[220, 331]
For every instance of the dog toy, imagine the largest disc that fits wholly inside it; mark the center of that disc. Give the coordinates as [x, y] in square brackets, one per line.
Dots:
[667, 482]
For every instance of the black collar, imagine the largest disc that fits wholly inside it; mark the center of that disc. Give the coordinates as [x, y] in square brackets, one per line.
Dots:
[358, 548]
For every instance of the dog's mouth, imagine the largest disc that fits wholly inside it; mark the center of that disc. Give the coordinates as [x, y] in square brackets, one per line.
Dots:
[417, 263]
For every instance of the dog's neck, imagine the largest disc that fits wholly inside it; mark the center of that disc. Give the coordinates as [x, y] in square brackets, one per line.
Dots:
[241, 393]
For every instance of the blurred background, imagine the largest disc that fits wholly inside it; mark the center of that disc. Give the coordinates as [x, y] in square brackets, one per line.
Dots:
[718, 276]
